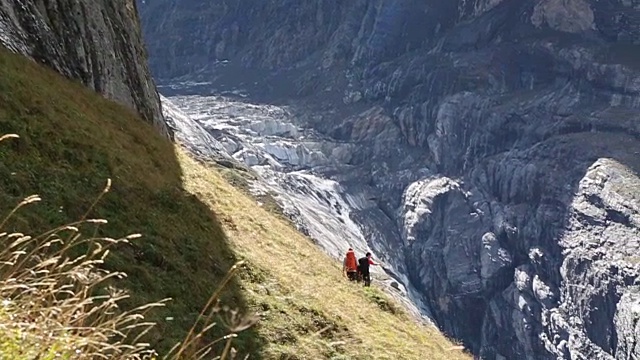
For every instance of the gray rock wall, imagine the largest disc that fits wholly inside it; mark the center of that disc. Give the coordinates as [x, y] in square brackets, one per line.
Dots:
[98, 42]
[504, 163]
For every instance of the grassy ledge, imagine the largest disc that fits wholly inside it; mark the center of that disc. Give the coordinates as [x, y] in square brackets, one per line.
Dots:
[195, 226]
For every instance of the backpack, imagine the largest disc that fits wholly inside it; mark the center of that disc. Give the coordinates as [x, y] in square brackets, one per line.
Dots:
[351, 262]
[363, 264]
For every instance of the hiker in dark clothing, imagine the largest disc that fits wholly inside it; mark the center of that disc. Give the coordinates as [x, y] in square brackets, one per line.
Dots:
[363, 267]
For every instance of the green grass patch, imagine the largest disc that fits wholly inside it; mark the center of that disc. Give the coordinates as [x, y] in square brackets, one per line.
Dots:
[71, 141]
[381, 300]
[241, 179]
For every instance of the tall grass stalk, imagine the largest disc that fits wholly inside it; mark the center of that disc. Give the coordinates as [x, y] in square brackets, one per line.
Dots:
[54, 305]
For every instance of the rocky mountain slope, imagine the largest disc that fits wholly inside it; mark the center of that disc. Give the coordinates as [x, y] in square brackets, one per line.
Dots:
[499, 139]
[96, 42]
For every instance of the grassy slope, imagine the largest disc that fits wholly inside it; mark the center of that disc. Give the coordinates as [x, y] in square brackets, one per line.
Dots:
[72, 140]
[297, 300]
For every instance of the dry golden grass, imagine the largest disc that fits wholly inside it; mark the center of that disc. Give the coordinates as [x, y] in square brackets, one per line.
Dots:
[309, 312]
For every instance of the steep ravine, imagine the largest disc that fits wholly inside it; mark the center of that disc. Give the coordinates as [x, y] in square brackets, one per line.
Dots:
[495, 143]
[97, 42]
[285, 159]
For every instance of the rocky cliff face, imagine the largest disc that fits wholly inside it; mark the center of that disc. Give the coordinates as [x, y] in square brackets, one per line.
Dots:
[95, 41]
[499, 140]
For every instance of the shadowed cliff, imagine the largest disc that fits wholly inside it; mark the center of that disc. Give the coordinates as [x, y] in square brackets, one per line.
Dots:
[95, 42]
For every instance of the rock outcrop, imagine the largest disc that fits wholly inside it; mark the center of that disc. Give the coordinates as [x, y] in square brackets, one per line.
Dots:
[498, 139]
[98, 42]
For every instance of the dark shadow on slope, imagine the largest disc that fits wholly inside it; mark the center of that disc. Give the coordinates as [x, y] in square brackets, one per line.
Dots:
[71, 141]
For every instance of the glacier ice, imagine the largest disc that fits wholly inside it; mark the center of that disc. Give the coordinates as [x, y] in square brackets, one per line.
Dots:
[266, 139]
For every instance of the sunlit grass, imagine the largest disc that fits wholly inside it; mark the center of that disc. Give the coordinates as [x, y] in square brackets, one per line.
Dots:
[308, 310]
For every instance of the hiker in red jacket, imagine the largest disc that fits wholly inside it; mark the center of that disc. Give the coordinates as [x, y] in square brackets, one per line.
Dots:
[363, 268]
[350, 266]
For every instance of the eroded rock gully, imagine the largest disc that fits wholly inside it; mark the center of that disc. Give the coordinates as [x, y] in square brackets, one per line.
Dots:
[495, 143]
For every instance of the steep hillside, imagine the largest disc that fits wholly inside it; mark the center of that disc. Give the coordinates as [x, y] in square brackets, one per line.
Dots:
[194, 225]
[308, 309]
[72, 140]
[97, 42]
[495, 142]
